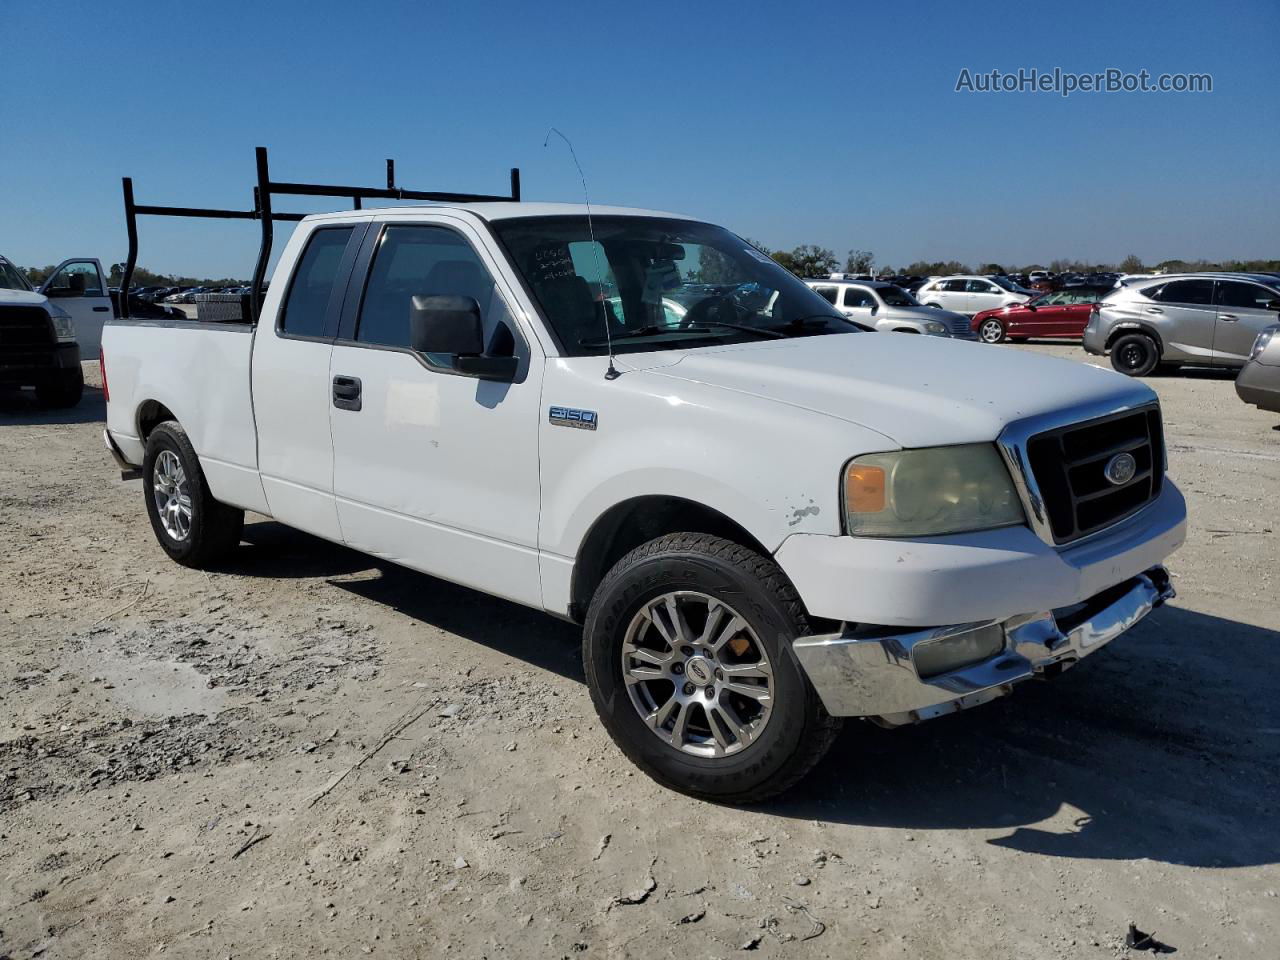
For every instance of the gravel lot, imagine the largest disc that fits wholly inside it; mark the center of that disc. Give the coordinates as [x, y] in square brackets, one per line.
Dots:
[310, 753]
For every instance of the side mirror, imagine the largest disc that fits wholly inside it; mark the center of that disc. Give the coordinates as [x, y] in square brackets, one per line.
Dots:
[875, 308]
[450, 326]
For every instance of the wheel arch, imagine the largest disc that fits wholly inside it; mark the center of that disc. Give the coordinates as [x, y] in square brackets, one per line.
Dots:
[151, 413]
[637, 520]
[1123, 329]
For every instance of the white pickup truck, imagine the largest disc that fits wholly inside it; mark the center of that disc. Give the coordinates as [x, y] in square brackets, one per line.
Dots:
[766, 518]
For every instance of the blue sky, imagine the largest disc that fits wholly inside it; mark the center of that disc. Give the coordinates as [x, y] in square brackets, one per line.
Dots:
[824, 123]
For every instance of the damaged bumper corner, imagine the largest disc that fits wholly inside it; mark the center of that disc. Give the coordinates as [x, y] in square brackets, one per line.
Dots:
[128, 471]
[901, 677]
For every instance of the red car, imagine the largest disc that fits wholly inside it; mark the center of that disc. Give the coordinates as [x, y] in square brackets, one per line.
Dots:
[1061, 314]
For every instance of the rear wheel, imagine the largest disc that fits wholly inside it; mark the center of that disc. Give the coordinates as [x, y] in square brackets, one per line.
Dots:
[193, 528]
[65, 390]
[1135, 354]
[991, 331]
[687, 650]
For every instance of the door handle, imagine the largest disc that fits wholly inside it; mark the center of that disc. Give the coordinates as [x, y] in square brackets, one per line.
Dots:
[101, 309]
[1228, 317]
[1154, 310]
[346, 393]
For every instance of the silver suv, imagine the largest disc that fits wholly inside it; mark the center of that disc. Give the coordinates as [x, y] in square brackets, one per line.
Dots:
[890, 308]
[1206, 319]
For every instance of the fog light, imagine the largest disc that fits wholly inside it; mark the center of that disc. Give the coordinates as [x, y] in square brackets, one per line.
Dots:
[936, 657]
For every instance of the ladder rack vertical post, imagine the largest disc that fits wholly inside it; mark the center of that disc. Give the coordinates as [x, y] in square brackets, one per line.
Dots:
[264, 214]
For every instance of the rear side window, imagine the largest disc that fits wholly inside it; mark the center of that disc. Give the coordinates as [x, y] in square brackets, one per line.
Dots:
[1250, 296]
[1184, 291]
[827, 293]
[307, 304]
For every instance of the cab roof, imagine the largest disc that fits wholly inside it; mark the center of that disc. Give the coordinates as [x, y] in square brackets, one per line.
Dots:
[504, 210]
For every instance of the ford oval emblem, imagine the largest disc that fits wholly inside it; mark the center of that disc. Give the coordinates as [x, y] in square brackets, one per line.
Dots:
[1120, 469]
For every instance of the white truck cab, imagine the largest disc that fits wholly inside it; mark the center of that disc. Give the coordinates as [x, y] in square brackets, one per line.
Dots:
[766, 518]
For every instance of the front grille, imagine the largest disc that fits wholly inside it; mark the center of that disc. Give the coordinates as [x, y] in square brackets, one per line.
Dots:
[1069, 466]
[25, 327]
[959, 326]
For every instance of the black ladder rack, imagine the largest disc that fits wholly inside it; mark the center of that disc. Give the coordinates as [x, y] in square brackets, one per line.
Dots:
[262, 211]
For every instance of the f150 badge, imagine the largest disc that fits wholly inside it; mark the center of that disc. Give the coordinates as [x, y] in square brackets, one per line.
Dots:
[569, 417]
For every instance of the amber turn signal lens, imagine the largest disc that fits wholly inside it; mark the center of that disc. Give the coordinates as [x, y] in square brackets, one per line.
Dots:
[864, 488]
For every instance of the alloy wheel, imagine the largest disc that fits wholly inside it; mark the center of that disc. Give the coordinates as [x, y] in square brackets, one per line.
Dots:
[172, 496]
[697, 674]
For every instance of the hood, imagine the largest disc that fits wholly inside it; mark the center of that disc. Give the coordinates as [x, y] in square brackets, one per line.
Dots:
[917, 391]
[24, 298]
[919, 313]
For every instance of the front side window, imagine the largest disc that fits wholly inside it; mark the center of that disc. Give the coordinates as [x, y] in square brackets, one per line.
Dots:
[649, 283]
[306, 307]
[431, 261]
[78, 279]
[1247, 296]
[981, 286]
[858, 297]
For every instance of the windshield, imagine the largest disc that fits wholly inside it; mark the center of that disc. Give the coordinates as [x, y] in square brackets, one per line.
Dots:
[11, 278]
[1009, 285]
[897, 297]
[658, 284]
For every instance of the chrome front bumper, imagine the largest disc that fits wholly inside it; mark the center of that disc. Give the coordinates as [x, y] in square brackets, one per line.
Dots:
[866, 672]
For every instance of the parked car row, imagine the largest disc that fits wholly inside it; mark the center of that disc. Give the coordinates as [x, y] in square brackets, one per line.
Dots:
[187, 294]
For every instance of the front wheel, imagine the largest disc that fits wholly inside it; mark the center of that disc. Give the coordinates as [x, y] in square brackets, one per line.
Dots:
[193, 528]
[687, 651]
[991, 331]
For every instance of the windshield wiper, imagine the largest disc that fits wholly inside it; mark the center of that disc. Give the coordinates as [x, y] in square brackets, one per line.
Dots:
[653, 330]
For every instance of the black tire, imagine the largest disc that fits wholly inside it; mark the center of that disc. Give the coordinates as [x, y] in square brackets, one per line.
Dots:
[1135, 354]
[987, 331]
[215, 527]
[797, 733]
[64, 391]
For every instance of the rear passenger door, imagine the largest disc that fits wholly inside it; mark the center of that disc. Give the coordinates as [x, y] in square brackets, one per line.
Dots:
[1242, 311]
[291, 388]
[433, 469]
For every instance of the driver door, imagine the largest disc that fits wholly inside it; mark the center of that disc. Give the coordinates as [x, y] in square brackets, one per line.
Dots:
[81, 290]
[858, 303]
[434, 469]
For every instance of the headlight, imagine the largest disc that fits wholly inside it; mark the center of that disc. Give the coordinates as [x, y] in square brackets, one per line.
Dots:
[935, 329]
[64, 327]
[1260, 344]
[924, 493]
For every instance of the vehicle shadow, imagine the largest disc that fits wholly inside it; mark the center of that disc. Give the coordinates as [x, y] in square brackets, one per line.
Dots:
[1163, 746]
[271, 549]
[20, 408]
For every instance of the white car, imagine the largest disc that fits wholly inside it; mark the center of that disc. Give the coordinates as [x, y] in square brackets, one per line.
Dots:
[765, 518]
[890, 309]
[970, 295]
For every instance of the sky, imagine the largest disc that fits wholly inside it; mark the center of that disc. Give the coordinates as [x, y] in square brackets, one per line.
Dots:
[829, 123]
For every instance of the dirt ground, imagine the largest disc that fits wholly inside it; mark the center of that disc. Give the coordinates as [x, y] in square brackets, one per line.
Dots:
[310, 753]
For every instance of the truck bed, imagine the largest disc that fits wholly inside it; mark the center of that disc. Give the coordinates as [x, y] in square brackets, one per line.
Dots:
[200, 373]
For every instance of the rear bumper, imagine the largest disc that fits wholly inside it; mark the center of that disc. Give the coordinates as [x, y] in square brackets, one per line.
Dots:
[128, 471]
[878, 673]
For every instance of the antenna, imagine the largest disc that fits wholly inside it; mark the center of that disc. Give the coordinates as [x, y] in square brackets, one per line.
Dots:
[612, 373]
